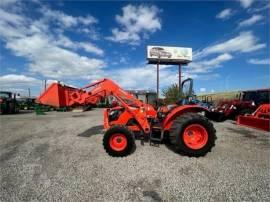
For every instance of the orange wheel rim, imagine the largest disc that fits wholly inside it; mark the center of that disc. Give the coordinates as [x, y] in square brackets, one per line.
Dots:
[195, 136]
[118, 142]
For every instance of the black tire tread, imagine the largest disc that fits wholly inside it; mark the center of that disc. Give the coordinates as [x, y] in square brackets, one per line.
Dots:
[130, 136]
[180, 124]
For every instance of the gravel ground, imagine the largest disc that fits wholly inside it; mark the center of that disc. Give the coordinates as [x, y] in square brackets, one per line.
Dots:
[60, 156]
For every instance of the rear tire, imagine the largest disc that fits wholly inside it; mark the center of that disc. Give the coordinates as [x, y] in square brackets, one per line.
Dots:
[197, 123]
[119, 141]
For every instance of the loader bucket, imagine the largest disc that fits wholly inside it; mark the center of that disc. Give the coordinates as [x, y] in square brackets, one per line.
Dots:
[254, 122]
[56, 95]
[260, 119]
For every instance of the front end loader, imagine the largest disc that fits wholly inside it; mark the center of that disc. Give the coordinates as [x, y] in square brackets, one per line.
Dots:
[188, 131]
[260, 119]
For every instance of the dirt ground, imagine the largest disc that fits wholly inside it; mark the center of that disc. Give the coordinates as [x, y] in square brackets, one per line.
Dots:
[59, 156]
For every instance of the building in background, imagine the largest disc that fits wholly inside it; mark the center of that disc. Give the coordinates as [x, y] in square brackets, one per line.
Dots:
[147, 96]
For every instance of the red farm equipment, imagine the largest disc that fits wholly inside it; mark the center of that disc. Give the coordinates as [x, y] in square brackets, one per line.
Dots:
[247, 103]
[260, 119]
[188, 131]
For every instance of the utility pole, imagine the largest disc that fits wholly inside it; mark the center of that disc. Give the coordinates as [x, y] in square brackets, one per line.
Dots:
[179, 80]
[45, 85]
[157, 81]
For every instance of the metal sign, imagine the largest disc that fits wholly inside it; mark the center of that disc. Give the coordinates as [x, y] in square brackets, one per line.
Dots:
[168, 55]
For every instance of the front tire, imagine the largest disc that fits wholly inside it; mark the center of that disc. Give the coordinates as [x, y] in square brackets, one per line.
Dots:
[193, 135]
[118, 141]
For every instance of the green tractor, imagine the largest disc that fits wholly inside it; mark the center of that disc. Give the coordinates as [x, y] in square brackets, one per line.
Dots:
[8, 103]
[26, 103]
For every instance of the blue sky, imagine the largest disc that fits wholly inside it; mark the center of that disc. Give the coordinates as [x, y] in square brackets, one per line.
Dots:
[79, 42]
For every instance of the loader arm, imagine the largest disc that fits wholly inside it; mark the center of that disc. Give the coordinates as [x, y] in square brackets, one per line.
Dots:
[106, 87]
[59, 95]
[92, 93]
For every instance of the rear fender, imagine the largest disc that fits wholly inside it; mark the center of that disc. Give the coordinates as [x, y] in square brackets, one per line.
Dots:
[178, 111]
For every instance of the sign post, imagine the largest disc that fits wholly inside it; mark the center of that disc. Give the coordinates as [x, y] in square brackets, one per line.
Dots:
[179, 80]
[157, 81]
[168, 55]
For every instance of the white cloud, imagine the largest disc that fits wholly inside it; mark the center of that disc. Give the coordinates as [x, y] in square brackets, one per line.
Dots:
[65, 20]
[244, 42]
[87, 20]
[4, 3]
[123, 60]
[136, 22]
[251, 21]
[49, 53]
[216, 61]
[89, 47]
[225, 14]
[64, 41]
[207, 66]
[265, 7]
[202, 89]
[91, 32]
[144, 76]
[140, 77]
[10, 69]
[18, 83]
[11, 18]
[52, 61]
[18, 79]
[246, 3]
[265, 61]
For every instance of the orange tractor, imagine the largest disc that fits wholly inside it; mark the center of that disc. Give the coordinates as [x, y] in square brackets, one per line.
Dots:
[188, 131]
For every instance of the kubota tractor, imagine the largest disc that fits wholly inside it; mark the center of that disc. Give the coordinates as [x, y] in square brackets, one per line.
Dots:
[191, 133]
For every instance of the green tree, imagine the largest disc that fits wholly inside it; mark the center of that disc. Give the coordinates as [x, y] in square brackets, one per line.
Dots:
[171, 94]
